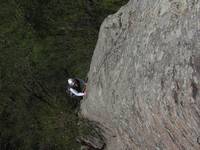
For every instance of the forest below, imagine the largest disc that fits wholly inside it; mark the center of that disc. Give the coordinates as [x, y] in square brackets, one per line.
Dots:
[42, 43]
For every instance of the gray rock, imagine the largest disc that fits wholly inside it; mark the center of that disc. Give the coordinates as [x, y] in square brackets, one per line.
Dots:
[144, 78]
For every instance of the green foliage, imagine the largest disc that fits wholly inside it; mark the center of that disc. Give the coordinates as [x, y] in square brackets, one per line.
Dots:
[42, 42]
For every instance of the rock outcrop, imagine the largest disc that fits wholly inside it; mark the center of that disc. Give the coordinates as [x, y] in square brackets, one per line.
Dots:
[144, 79]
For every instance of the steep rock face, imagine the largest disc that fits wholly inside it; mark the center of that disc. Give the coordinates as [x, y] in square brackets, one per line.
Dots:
[144, 78]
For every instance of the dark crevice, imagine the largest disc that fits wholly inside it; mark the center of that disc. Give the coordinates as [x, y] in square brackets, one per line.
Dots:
[194, 90]
[175, 96]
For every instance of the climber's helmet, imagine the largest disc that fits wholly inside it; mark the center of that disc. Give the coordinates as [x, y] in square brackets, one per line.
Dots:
[71, 82]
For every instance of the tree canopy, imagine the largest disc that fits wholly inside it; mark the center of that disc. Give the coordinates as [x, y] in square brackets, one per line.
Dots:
[42, 42]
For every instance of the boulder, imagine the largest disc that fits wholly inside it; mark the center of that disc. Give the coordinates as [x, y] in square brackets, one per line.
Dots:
[144, 78]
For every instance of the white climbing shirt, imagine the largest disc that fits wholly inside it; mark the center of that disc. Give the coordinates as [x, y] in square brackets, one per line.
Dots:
[76, 93]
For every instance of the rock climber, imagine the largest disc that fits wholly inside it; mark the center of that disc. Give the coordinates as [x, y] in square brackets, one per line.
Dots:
[76, 87]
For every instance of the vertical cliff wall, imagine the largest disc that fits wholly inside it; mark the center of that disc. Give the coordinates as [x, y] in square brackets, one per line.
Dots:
[144, 78]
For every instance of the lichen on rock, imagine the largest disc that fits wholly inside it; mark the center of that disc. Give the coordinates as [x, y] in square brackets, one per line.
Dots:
[144, 78]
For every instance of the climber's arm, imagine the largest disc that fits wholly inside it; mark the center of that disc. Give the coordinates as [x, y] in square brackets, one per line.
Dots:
[76, 93]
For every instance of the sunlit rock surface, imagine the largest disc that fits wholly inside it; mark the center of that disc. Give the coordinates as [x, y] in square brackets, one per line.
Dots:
[144, 79]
